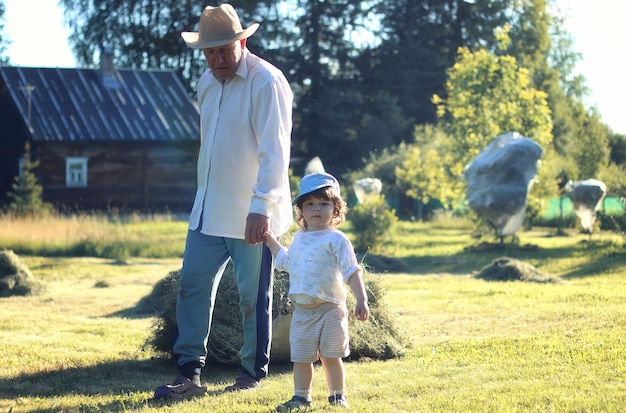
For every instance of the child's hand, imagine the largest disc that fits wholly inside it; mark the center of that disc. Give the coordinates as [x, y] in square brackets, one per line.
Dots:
[361, 310]
[267, 235]
[271, 242]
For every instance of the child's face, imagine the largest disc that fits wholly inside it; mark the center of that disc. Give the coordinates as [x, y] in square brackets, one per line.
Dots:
[317, 212]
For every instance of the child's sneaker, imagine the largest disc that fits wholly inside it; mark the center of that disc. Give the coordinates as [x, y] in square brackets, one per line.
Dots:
[296, 403]
[339, 400]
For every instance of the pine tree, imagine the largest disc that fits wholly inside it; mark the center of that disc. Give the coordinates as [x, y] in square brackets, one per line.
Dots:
[26, 196]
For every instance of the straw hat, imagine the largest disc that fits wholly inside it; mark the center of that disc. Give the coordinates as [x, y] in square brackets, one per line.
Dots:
[218, 26]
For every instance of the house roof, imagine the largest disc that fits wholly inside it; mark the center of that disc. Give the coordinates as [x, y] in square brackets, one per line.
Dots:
[87, 105]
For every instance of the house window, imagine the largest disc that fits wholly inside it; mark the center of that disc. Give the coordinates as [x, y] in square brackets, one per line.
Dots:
[76, 172]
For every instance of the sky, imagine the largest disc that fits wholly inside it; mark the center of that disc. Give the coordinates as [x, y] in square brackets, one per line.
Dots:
[597, 27]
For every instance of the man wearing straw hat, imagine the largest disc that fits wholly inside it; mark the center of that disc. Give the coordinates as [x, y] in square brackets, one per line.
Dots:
[243, 191]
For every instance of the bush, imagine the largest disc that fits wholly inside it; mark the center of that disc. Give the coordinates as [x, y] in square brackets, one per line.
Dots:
[615, 223]
[373, 223]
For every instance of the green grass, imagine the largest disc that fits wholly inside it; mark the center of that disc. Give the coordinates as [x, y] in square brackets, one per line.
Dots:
[477, 346]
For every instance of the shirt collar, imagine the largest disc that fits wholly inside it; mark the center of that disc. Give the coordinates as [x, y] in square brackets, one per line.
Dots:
[242, 70]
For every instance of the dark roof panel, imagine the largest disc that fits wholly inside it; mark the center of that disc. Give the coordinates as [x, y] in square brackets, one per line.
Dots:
[85, 105]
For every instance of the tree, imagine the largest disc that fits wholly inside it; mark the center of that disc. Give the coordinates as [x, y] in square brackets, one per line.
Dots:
[364, 71]
[590, 150]
[617, 143]
[419, 40]
[422, 171]
[144, 34]
[3, 42]
[542, 46]
[335, 116]
[382, 164]
[25, 198]
[308, 40]
[488, 95]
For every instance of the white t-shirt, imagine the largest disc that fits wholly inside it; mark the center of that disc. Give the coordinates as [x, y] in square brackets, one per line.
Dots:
[319, 264]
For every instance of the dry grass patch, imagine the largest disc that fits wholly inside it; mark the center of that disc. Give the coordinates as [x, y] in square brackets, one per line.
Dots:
[380, 338]
[15, 276]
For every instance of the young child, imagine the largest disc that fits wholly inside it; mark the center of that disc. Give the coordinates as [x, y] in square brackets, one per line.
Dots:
[319, 261]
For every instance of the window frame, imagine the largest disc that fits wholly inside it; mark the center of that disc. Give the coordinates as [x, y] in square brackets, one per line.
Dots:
[76, 171]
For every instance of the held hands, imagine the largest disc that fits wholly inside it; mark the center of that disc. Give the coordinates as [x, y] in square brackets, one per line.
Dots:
[256, 226]
[271, 242]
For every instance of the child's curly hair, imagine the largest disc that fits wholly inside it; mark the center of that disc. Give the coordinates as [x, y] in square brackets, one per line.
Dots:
[327, 193]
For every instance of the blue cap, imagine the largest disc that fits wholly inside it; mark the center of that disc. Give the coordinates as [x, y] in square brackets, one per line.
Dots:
[316, 181]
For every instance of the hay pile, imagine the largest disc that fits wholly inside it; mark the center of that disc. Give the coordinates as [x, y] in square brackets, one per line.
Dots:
[510, 269]
[377, 338]
[15, 277]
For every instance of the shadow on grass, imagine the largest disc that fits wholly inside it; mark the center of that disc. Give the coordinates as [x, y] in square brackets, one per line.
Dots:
[608, 257]
[469, 260]
[604, 257]
[145, 308]
[122, 377]
[150, 305]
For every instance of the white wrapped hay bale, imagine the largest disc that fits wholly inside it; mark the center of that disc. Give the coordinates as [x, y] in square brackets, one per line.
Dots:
[367, 187]
[587, 199]
[499, 179]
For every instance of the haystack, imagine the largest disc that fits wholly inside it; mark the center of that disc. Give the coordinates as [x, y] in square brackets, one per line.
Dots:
[15, 277]
[510, 269]
[377, 338]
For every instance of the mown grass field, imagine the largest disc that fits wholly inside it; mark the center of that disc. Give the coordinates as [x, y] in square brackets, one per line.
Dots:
[476, 346]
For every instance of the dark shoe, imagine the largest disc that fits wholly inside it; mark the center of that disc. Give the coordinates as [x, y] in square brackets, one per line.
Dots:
[243, 383]
[181, 388]
[339, 400]
[296, 403]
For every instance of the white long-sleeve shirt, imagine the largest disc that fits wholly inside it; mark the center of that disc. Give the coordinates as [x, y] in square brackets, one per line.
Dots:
[245, 147]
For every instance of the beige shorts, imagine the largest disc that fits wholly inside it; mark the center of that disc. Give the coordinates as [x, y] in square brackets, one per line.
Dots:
[321, 331]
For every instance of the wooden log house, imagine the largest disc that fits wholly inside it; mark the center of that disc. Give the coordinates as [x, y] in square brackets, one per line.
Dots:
[103, 138]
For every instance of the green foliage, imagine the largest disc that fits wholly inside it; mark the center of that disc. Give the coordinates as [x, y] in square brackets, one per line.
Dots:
[382, 164]
[617, 143]
[542, 46]
[360, 97]
[3, 42]
[487, 95]
[612, 222]
[142, 34]
[373, 223]
[25, 198]
[614, 177]
[422, 171]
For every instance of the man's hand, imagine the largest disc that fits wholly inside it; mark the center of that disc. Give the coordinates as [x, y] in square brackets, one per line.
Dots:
[256, 226]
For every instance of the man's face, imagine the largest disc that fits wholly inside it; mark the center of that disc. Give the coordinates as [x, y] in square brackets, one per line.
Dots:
[224, 60]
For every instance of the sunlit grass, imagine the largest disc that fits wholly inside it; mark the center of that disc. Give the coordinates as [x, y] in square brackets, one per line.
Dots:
[476, 346]
[118, 237]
